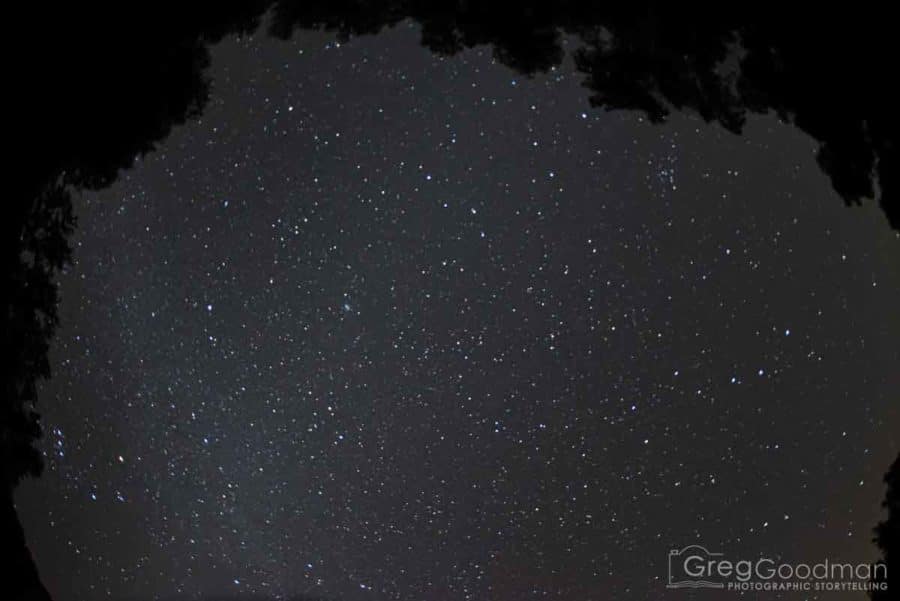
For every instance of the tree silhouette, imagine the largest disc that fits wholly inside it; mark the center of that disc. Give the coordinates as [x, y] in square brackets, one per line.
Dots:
[92, 100]
[887, 536]
[820, 71]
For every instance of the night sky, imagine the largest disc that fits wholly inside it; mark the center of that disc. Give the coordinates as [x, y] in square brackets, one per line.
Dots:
[385, 325]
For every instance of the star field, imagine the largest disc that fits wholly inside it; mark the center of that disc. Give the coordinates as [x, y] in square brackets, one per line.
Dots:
[385, 325]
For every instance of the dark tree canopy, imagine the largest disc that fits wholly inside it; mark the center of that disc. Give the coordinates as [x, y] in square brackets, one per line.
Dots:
[887, 534]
